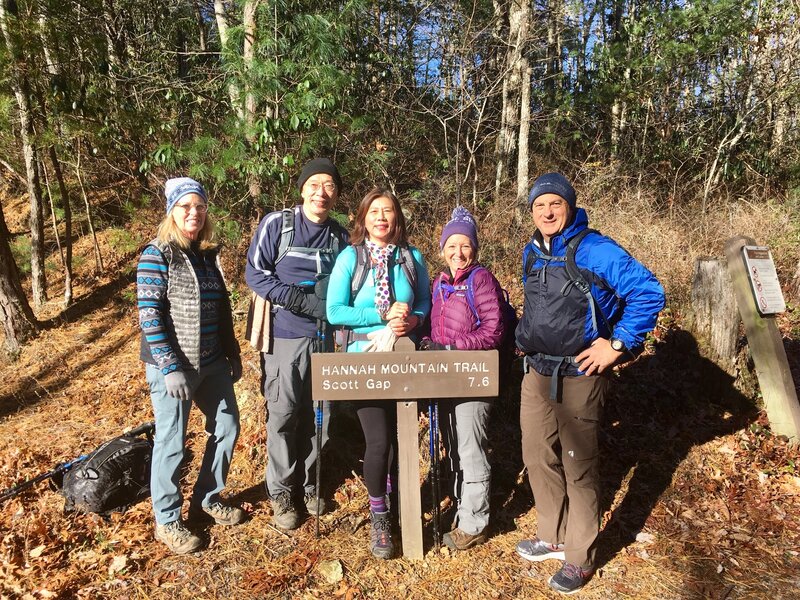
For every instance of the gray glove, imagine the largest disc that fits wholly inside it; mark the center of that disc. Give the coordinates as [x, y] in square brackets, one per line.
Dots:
[321, 287]
[178, 385]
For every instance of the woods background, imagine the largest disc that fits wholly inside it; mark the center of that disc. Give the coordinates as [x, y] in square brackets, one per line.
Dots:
[681, 115]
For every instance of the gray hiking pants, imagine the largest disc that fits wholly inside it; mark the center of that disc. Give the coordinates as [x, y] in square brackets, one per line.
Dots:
[463, 424]
[291, 434]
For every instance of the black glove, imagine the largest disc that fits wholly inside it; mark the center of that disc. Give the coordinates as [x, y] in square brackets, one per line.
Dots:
[313, 306]
[428, 344]
[293, 300]
[321, 287]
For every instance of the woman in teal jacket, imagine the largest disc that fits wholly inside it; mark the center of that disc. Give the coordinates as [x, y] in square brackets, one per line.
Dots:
[393, 294]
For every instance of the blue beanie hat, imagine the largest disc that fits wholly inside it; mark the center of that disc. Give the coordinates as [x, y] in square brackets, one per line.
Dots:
[553, 183]
[177, 187]
[461, 221]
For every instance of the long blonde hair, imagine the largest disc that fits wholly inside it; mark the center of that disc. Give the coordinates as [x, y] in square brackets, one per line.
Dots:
[169, 233]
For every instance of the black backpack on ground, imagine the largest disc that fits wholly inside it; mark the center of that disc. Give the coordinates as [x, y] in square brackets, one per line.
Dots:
[113, 477]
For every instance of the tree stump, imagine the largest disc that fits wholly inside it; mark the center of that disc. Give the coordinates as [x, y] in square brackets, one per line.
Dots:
[715, 316]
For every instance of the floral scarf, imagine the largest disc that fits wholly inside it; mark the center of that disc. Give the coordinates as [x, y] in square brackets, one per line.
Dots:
[379, 258]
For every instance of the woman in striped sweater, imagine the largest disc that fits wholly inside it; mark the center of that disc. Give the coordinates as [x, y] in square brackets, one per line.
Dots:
[191, 354]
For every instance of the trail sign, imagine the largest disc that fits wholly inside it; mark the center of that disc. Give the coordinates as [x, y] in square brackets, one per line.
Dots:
[763, 280]
[403, 376]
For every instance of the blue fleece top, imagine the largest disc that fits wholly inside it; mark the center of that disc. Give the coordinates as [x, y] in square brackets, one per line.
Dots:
[360, 313]
[272, 282]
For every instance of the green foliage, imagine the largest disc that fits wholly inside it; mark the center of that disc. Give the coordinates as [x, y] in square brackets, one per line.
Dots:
[123, 241]
[21, 249]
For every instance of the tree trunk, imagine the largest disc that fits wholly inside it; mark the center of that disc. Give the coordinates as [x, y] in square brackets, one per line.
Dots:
[250, 103]
[221, 16]
[98, 258]
[19, 324]
[20, 85]
[714, 314]
[518, 16]
[65, 205]
[522, 148]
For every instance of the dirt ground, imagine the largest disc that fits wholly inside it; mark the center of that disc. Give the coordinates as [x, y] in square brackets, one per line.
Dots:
[700, 499]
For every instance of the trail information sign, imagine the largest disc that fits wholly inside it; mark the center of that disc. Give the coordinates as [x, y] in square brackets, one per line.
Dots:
[403, 376]
[764, 280]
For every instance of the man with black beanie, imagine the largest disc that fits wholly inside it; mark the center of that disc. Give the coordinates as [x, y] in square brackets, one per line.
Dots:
[287, 276]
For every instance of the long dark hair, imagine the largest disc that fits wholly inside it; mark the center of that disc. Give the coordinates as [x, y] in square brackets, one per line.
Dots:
[399, 236]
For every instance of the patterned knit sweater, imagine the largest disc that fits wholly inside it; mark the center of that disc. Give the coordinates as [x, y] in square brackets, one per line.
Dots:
[184, 311]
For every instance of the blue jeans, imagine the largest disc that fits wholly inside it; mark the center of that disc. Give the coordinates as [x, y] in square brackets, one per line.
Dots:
[212, 391]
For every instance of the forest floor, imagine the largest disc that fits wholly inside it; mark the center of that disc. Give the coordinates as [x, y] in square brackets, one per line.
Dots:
[700, 499]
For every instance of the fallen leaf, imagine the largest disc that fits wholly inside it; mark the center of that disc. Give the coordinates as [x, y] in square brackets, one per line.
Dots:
[117, 564]
[36, 552]
[331, 570]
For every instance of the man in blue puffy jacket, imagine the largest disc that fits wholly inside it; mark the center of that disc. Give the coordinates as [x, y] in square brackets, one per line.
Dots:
[579, 319]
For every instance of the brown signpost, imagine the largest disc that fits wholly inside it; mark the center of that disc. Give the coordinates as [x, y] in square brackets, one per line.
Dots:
[766, 346]
[403, 376]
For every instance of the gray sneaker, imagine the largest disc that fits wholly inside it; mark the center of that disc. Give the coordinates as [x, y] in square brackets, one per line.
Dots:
[569, 579]
[177, 538]
[310, 500]
[223, 514]
[537, 550]
[284, 514]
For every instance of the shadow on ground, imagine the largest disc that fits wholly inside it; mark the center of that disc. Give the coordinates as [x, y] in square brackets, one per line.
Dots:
[660, 407]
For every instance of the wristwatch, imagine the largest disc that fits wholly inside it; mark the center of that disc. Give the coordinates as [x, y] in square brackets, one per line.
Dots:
[617, 344]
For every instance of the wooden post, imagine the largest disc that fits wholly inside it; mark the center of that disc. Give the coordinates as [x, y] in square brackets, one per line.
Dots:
[408, 469]
[715, 317]
[404, 376]
[766, 346]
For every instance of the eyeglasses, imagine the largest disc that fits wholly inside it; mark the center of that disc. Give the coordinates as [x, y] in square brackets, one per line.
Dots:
[329, 187]
[200, 208]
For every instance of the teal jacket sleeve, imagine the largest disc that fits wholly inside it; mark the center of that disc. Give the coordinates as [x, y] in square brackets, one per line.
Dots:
[422, 293]
[341, 308]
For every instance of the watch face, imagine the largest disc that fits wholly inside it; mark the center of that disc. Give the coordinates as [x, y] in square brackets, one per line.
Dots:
[617, 345]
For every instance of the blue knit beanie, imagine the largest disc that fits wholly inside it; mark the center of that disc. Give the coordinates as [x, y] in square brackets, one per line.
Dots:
[461, 221]
[553, 183]
[177, 187]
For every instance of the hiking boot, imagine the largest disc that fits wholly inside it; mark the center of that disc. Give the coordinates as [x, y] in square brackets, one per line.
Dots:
[310, 500]
[569, 579]
[284, 514]
[223, 514]
[380, 535]
[177, 538]
[537, 550]
[461, 540]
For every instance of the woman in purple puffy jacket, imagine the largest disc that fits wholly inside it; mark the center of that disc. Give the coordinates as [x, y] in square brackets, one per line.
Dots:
[466, 315]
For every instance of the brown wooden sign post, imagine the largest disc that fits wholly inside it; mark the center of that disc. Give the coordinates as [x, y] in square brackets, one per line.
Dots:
[766, 346]
[403, 376]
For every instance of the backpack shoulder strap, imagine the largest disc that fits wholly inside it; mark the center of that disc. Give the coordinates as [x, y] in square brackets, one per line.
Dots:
[578, 280]
[406, 262]
[574, 273]
[470, 292]
[287, 233]
[360, 272]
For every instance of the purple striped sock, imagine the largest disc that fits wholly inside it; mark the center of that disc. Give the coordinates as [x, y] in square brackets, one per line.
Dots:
[377, 505]
[389, 484]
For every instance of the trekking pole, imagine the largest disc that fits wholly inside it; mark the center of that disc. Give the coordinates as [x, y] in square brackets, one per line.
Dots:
[433, 417]
[318, 425]
[59, 469]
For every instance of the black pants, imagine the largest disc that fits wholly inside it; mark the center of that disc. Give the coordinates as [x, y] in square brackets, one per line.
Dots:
[379, 424]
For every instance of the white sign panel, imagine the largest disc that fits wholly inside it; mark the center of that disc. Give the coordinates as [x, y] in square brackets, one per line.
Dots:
[764, 280]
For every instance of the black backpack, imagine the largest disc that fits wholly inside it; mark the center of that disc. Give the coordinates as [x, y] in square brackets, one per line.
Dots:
[405, 260]
[576, 277]
[113, 477]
